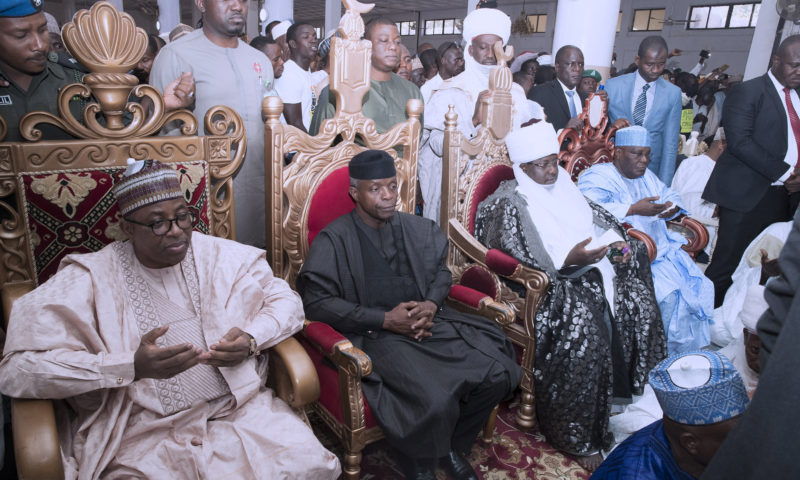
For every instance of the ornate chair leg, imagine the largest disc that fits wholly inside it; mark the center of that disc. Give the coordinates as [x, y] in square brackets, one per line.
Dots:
[352, 465]
[488, 428]
[526, 412]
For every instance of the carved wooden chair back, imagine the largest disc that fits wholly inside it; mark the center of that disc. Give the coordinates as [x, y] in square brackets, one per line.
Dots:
[593, 143]
[472, 170]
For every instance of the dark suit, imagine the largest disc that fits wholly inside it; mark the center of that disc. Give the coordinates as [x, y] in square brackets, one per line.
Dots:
[551, 97]
[755, 127]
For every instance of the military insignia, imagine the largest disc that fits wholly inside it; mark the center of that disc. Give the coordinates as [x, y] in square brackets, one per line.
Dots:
[37, 4]
[257, 68]
[52, 56]
[6, 100]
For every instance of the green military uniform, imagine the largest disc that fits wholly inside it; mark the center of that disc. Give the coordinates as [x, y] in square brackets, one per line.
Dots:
[42, 95]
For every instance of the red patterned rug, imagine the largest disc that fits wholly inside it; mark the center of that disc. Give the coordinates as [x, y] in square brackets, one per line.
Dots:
[513, 455]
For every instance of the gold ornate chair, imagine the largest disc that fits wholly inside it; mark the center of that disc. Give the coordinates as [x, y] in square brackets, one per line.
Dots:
[594, 144]
[312, 190]
[471, 171]
[55, 197]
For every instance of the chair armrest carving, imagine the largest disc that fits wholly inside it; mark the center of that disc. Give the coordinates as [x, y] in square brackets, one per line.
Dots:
[695, 232]
[36, 447]
[652, 250]
[468, 300]
[338, 349]
[292, 374]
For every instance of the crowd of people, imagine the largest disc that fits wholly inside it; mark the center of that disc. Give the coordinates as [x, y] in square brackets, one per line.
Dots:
[647, 363]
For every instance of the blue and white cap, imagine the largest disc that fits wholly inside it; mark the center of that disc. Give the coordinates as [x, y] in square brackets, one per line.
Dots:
[634, 136]
[699, 388]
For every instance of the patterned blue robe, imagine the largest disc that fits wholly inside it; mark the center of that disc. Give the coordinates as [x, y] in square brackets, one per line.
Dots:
[645, 455]
[684, 294]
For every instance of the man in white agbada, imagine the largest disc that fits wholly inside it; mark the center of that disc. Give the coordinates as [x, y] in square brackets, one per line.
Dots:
[690, 180]
[634, 194]
[482, 29]
[152, 347]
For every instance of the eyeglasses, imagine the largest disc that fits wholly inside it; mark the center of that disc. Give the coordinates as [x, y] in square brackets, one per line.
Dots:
[161, 227]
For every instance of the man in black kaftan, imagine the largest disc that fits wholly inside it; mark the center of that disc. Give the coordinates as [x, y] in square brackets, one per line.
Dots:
[379, 277]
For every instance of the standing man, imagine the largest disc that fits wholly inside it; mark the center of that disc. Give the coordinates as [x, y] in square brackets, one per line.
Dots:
[229, 72]
[755, 181]
[379, 277]
[295, 86]
[450, 59]
[385, 102]
[646, 99]
[273, 51]
[483, 28]
[560, 98]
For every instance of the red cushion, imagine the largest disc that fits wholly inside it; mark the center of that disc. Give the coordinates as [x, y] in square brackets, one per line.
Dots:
[329, 386]
[501, 263]
[479, 279]
[486, 186]
[329, 202]
[323, 335]
[467, 295]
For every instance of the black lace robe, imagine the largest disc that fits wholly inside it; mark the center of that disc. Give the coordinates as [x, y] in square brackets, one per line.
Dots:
[573, 375]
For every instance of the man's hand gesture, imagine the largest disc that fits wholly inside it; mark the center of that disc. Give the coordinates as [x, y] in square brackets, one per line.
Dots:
[478, 113]
[581, 257]
[412, 319]
[647, 207]
[152, 361]
[233, 349]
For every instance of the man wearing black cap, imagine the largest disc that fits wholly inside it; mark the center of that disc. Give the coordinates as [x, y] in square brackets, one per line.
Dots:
[379, 277]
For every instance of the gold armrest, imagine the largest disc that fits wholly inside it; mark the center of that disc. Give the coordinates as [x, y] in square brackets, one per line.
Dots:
[36, 447]
[498, 312]
[292, 374]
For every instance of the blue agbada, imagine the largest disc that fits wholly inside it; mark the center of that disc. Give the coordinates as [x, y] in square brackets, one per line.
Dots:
[685, 296]
[645, 455]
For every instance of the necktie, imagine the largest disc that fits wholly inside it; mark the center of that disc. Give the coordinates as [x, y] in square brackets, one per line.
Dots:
[641, 106]
[572, 112]
[794, 120]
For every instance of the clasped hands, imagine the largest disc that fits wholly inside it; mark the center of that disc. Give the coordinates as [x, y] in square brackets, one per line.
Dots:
[579, 255]
[152, 361]
[648, 208]
[792, 183]
[412, 319]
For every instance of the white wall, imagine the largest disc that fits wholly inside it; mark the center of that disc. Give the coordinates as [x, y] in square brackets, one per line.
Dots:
[726, 46]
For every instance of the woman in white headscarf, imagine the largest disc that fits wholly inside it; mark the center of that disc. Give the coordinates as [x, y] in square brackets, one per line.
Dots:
[598, 331]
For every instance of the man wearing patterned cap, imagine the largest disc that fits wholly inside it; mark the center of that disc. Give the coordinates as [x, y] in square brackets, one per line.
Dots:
[634, 194]
[483, 28]
[598, 330]
[153, 344]
[380, 278]
[702, 396]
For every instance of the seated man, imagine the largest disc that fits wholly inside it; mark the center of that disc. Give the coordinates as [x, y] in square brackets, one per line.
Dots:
[153, 344]
[703, 397]
[379, 277]
[600, 304]
[628, 190]
[385, 103]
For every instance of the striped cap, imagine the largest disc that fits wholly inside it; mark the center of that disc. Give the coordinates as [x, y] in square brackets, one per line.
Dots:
[146, 182]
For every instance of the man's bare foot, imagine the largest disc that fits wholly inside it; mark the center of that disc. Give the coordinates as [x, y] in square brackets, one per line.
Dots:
[589, 462]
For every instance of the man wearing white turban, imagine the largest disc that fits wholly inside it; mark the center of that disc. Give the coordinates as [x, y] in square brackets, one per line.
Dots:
[482, 29]
[598, 330]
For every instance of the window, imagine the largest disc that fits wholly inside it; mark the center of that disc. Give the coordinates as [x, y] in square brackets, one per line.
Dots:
[538, 23]
[619, 22]
[407, 28]
[648, 20]
[737, 15]
[319, 32]
[444, 26]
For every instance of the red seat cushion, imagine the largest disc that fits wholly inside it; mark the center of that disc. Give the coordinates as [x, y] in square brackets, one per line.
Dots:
[329, 385]
[330, 201]
[486, 186]
[477, 278]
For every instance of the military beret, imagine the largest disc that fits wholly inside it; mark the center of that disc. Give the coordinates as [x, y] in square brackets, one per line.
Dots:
[19, 8]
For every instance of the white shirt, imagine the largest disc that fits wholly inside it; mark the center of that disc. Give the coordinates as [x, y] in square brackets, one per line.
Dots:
[791, 142]
[295, 86]
[638, 84]
[576, 98]
[429, 86]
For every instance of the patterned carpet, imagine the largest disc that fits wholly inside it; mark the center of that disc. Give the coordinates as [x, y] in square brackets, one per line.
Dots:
[513, 455]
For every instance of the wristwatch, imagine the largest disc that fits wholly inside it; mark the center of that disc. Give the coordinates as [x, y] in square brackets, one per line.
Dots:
[253, 346]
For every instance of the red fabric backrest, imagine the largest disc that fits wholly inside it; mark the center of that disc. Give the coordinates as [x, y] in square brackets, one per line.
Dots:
[329, 202]
[486, 186]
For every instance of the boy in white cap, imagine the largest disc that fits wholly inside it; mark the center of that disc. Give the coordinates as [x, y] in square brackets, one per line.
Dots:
[702, 396]
[634, 194]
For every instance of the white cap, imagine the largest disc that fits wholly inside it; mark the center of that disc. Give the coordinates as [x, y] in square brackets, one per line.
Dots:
[532, 143]
[280, 29]
[483, 21]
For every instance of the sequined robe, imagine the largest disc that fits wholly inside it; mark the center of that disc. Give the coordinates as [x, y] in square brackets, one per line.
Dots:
[74, 338]
[573, 381]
